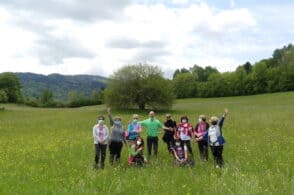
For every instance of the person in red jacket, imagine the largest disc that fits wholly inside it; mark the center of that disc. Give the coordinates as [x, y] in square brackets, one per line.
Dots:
[184, 132]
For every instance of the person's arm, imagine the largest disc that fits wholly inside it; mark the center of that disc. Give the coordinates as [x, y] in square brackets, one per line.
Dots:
[160, 125]
[138, 130]
[123, 137]
[196, 128]
[205, 136]
[134, 152]
[175, 155]
[165, 127]
[143, 123]
[106, 134]
[95, 133]
[221, 122]
[110, 117]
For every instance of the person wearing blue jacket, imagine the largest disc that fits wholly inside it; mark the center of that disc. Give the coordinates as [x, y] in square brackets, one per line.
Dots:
[215, 138]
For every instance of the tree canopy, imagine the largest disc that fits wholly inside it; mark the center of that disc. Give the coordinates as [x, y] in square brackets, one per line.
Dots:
[266, 76]
[10, 88]
[139, 86]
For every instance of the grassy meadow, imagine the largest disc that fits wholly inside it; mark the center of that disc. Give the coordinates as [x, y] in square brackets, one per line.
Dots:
[50, 151]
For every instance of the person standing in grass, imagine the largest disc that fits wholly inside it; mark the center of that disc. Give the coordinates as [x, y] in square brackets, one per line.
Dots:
[152, 125]
[184, 132]
[200, 129]
[215, 138]
[117, 138]
[100, 135]
[169, 131]
[134, 129]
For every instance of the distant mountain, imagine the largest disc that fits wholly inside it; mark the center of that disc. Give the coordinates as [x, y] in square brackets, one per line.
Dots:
[34, 84]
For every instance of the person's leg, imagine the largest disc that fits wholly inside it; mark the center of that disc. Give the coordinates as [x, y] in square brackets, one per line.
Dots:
[172, 143]
[96, 156]
[119, 147]
[205, 150]
[188, 143]
[149, 145]
[111, 152]
[214, 153]
[220, 161]
[155, 145]
[103, 154]
[200, 147]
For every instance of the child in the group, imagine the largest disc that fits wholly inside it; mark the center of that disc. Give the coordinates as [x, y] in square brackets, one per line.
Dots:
[136, 153]
[215, 138]
[100, 135]
[134, 129]
[169, 131]
[180, 154]
[117, 138]
[184, 132]
[200, 129]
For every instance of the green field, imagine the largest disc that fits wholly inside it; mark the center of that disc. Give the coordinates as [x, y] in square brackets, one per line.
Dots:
[50, 151]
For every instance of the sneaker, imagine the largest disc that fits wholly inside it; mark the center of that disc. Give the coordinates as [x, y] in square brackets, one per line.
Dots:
[217, 166]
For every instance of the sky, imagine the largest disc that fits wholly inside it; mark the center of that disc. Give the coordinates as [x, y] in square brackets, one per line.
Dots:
[98, 37]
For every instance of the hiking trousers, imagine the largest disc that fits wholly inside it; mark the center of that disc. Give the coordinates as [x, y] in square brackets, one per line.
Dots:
[100, 153]
[217, 152]
[152, 142]
[115, 151]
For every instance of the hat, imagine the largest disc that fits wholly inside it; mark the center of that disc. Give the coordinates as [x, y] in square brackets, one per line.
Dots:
[117, 118]
[203, 117]
[135, 116]
[101, 118]
[214, 118]
[168, 115]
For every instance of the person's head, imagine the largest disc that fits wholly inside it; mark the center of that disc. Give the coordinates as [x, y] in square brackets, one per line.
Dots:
[139, 142]
[151, 114]
[135, 118]
[214, 120]
[184, 119]
[101, 120]
[168, 117]
[202, 117]
[117, 121]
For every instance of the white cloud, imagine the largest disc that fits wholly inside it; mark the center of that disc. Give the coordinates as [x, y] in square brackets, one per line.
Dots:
[72, 41]
[232, 3]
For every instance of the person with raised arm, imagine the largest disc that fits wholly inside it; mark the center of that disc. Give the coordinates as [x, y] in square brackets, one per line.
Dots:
[117, 138]
[215, 139]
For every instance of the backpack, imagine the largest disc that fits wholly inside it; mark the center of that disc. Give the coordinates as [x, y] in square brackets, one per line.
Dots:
[213, 134]
[126, 134]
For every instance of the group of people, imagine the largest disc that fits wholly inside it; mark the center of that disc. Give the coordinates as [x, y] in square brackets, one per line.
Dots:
[177, 136]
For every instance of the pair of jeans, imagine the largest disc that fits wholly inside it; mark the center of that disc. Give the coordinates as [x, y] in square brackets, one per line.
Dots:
[152, 141]
[100, 154]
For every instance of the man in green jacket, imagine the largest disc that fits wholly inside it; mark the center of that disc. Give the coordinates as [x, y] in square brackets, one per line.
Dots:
[152, 126]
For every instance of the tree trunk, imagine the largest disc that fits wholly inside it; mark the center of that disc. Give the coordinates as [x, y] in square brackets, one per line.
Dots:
[142, 106]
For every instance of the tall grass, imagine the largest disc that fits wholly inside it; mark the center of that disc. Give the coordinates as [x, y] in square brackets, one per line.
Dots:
[50, 151]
